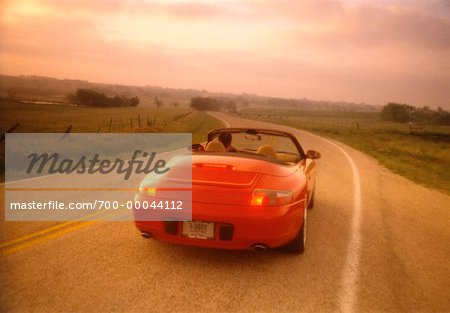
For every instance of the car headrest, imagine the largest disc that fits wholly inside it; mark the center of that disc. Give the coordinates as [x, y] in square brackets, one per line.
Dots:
[215, 146]
[268, 151]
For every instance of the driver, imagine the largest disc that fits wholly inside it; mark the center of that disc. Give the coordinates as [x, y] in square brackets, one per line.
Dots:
[225, 138]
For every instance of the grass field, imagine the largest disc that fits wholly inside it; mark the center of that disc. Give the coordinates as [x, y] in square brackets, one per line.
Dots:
[51, 118]
[45, 118]
[423, 156]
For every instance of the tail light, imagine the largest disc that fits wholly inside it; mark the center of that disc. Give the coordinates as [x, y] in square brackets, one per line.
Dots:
[149, 192]
[214, 165]
[268, 197]
[148, 187]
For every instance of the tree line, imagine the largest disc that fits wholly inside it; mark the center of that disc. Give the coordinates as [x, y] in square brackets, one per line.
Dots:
[406, 113]
[92, 98]
[213, 104]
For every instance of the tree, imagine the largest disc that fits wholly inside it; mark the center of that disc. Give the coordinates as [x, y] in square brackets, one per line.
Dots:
[204, 104]
[397, 112]
[134, 102]
[93, 98]
[213, 104]
[405, 113]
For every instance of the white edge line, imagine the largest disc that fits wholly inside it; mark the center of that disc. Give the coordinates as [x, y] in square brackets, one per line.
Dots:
[227, 125]
[350, 273]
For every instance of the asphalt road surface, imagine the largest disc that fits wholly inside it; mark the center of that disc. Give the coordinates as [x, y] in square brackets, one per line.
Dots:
[376, 243]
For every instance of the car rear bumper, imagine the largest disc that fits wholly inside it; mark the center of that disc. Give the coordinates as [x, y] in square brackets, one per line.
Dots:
[236, 227]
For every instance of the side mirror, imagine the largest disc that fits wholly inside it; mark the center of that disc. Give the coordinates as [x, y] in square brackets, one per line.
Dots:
[196, 147]
[313, 155]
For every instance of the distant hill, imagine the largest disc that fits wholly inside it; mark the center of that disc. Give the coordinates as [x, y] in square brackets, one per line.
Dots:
[37, 88]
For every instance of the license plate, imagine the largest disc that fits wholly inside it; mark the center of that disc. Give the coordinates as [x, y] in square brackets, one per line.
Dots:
[196, 229]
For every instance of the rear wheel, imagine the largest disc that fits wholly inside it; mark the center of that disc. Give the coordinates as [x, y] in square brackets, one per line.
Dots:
[297, 245]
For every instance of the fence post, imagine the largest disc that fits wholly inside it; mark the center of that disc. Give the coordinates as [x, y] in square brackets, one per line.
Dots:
[68, 131]
[9, 130]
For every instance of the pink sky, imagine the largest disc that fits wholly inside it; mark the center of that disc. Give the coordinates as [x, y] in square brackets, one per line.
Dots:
[351, 50]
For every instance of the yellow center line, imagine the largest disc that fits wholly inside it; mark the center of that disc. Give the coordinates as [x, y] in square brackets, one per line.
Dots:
[32, 242]
[36, 234]
[50, 229]
[29, 240]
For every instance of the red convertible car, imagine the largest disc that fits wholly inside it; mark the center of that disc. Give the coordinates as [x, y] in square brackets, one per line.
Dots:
[251, 189]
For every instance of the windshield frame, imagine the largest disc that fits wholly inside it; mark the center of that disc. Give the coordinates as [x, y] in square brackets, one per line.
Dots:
[255, 131]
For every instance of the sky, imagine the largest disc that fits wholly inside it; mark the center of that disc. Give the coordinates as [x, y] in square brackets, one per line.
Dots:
[359, 51]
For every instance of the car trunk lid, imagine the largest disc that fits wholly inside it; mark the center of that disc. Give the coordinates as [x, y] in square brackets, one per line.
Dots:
[226, 179]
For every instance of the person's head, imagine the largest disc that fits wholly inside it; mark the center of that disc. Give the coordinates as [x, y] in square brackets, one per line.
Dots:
[225, 139]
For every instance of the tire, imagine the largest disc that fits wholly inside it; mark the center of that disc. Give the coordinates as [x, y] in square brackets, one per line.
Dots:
[297, 245]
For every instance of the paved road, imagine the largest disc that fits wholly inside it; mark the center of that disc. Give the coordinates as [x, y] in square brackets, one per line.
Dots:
[376, 242]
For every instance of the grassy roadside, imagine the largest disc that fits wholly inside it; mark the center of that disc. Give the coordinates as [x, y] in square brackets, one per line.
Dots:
[423, 157]
[198, 124]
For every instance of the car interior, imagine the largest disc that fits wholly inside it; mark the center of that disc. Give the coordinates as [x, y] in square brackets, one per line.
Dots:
[270, 145]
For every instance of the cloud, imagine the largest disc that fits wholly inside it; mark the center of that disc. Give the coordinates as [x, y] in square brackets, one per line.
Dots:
[395, 25]
[177, 9]
[315, 49]
[368, 27]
